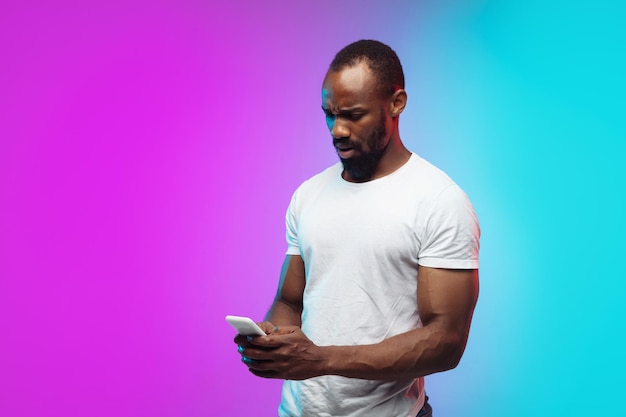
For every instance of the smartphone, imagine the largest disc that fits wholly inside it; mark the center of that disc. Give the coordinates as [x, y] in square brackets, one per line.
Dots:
[245, 326]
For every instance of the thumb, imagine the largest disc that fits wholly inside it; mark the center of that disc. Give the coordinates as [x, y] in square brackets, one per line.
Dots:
[268, 327]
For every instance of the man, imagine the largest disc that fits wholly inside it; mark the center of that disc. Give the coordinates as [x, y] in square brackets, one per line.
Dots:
[380, 280]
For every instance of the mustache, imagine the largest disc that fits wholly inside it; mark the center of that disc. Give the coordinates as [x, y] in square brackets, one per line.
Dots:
[346, 143]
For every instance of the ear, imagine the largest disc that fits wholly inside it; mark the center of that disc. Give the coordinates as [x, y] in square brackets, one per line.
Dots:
[397, 102]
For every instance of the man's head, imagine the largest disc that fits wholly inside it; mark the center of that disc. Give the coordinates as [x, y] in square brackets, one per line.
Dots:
[362, 97]
[380, 58]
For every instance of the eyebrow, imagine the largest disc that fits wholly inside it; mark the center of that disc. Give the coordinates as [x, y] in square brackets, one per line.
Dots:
[355, 109]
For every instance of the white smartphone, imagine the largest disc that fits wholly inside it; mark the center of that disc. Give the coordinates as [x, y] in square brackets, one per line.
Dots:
[245, 326]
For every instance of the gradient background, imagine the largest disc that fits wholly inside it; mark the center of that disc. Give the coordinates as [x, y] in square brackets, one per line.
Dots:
[148, 151]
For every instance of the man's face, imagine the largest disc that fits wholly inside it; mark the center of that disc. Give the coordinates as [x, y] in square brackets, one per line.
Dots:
[357, 120]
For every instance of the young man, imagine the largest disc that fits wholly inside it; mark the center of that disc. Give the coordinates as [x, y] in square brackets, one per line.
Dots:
[380, 280]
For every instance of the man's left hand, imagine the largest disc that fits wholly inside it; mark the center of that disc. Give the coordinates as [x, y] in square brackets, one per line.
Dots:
[285, 354]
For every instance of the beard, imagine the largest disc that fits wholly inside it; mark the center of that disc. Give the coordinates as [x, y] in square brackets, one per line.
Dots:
[362, 166]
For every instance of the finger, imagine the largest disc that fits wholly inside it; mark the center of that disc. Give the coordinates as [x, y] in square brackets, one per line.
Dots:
[256, 354]
[258, 365]
[245, 341]
[265, 374]
[241, 339]
[282, 330]
[244, 347]
[267, 327]
[264, 342]
[248, 361]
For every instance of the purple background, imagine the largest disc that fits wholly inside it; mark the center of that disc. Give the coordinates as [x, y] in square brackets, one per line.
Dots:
[148, 151]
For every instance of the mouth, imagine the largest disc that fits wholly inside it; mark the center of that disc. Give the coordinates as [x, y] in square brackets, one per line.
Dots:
[344, 151]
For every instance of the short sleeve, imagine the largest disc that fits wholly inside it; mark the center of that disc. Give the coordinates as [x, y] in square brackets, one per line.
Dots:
[452, 232]
[293, 247]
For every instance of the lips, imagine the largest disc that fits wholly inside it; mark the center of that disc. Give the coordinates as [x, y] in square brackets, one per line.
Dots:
[345, 148]
[345, 152]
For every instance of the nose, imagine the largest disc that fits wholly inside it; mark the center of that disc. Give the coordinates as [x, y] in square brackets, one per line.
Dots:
[338, 130]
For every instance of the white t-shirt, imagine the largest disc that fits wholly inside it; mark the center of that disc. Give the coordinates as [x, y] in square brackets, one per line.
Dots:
[361, 244]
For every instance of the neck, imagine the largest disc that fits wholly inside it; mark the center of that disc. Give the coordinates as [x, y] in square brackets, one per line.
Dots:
[394, 157]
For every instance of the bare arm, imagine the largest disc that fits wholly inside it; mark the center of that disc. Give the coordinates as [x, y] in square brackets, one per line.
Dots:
[287, 306]
[446, 300]
[286, 309]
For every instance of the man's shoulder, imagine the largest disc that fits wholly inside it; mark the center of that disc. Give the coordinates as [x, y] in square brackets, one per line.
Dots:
[311, 188]
[427, 176]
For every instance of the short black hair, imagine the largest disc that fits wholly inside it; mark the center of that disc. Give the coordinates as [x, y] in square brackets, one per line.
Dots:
[381, 59]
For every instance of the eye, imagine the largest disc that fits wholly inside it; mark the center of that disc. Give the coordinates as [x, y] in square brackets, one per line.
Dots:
[355, 116]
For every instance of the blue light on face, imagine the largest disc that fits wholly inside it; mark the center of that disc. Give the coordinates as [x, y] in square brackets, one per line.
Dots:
[331, 118]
